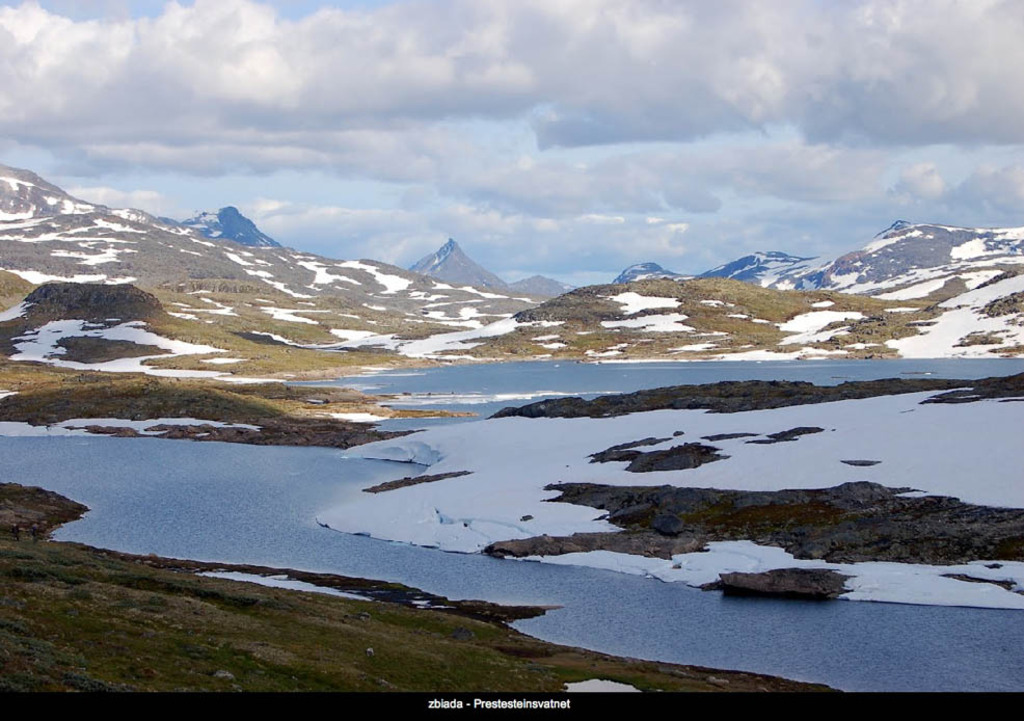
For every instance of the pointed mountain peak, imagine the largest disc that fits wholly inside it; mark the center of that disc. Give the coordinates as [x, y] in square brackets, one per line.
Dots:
[450, 263]
[229, 224]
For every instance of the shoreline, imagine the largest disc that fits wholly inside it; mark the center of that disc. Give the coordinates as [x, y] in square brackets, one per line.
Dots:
[145, 600]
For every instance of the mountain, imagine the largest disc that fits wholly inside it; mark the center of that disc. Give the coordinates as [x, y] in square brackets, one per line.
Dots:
[228, 223]
[24, 195]
[538, 285]
[451, 264]
[220, 288]
[647, 271]
[936, 291]
[760, 268]
[917, 260]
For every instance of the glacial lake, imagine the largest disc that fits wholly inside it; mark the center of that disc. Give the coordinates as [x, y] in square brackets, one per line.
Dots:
[251, 504]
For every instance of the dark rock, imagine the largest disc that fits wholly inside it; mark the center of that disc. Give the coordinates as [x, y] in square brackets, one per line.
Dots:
[726, 436]
[688, 455]
[667, 525]
[461, 633]
[93, 302]
[413, 481]
[1002, 583]
[785, 436]
[806, 583]
[861, 463]
[615, 453]
[631, 514]
[737, 396]
[640, 543]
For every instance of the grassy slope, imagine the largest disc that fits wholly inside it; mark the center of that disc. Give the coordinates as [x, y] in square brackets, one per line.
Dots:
[582, 311]
[50, 395]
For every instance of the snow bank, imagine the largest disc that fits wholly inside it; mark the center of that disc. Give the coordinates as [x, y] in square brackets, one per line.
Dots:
[634, 302]
[937, 448]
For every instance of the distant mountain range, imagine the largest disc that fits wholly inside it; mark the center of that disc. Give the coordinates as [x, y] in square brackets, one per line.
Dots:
[451, 264]
[917, 290]
[48, 235]
[904, 261]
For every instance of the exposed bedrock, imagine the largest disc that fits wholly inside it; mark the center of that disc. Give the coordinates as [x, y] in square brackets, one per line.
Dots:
[819, 584]
[638, 543]
[850, 523]
[737, 396]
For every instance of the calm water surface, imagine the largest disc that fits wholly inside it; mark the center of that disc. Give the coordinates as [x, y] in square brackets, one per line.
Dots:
[484, 389]
[251, 504]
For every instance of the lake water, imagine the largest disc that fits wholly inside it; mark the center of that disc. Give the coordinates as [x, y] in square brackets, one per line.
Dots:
[482, 390]
[250, 504]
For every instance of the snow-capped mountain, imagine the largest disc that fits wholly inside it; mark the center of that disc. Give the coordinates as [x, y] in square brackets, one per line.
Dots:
[915, 260]
[763, 269]
[905, 261]
[450, 263]
[647, 271]
[48, 235]
[229, 224]
[24, 195]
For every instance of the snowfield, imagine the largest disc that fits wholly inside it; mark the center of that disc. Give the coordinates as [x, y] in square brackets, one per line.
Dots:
[939, 449]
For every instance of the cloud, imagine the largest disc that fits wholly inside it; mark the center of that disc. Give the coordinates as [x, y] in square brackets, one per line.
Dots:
[151, 201]
[518, 125]
[235, 72]
[920, 181]
[995, 192]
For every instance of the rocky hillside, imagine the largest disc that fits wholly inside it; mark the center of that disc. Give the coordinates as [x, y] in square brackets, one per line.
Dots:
[704, 318]
[296, 298]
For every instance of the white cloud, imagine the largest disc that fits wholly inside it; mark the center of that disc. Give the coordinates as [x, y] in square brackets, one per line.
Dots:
[151, 201]
[905, 71]
[994, 190]
[527, 125]
[921, 181]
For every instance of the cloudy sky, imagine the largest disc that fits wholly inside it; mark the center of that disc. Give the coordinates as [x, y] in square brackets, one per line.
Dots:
[565, 137]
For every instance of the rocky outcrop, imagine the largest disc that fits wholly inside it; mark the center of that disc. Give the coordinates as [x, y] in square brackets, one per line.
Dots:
[413, 481]
[850, 523]
[736, 396]
[641, 543]
[272, 432]
[92, 302]
[786, 436]
[819, 584]
[688, 455]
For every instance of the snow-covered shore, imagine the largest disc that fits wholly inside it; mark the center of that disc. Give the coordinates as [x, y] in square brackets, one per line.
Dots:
[968, 451]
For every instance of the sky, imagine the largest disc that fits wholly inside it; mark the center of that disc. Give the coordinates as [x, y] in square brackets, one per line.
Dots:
[570, 138]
